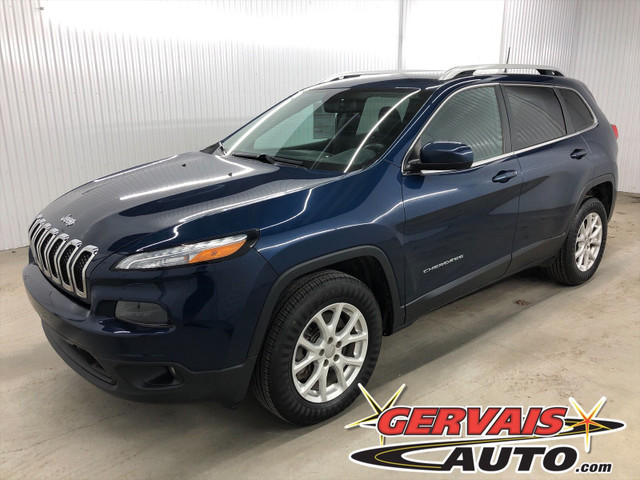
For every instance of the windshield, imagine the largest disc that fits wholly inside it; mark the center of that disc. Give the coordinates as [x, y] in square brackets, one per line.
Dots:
[329, 129]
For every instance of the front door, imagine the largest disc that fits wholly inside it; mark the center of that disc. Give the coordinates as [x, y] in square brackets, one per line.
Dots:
[460, 225]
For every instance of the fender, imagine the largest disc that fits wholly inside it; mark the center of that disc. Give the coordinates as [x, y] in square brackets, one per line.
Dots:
[608, 177]
[284, 280]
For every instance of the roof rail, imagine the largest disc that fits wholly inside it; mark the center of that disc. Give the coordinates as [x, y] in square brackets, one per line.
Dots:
[469, 70]
[345, 75]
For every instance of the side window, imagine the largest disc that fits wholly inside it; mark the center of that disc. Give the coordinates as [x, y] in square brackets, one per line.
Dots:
[536, 116]
[471, 117]
[578, 111]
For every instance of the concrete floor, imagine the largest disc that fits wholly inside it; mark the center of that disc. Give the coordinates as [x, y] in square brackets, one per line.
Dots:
[524, 341]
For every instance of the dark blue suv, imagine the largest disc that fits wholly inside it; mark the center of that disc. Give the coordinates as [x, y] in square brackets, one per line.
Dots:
[278, 257]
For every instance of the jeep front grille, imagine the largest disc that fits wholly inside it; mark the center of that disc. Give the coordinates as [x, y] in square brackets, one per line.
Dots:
[63, 260]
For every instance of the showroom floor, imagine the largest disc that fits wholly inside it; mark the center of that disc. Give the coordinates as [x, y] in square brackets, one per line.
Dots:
[525, 341]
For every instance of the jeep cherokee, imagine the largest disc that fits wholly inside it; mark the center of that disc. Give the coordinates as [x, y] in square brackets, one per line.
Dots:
[277, 258]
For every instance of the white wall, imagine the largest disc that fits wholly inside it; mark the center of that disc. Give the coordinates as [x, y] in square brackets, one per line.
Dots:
[91, 87]
[597, 42]
[440, 34]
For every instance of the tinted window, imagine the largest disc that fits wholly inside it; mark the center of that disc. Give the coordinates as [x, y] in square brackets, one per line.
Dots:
[471, 117]
[578, 111]
[536, 116]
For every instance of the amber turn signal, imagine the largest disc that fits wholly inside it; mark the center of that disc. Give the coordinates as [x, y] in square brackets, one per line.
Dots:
[219, 252]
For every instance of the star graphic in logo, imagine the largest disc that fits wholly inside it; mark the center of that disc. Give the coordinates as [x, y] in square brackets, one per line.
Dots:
[587, 419]
[371, 420]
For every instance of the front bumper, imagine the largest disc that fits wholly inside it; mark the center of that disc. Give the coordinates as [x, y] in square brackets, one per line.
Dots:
[152, 382]
[194, 359]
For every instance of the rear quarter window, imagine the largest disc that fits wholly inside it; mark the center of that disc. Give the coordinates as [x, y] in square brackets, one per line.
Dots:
[578, 111]
[536, 116]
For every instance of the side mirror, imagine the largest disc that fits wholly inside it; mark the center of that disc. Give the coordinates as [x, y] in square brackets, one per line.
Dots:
[442, 156]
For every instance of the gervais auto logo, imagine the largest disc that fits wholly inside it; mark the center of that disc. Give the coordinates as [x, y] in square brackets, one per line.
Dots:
[489, 440]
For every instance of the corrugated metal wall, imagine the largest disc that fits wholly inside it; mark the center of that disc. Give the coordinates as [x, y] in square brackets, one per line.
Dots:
[88, 88]
[597, 42]
[91, 87]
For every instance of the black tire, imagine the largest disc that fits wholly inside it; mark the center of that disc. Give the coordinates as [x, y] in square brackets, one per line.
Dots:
[564, 268]
[273, 382]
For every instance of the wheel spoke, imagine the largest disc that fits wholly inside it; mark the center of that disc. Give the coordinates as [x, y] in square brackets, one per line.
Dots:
[324, 329]
[358, 337]
[309, 359]
[580, 251]
[340, 375]
[313, 379]
[310, 347]
[335, 319]
[356, 362]
[349, 326]
[322, 383]
[581, 258]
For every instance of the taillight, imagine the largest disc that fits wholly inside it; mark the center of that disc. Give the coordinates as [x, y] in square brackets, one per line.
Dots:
[615, 130]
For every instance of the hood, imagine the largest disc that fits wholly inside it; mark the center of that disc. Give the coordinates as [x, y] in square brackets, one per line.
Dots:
[113, 211]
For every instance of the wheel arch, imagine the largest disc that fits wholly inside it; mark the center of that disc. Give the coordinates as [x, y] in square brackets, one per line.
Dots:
[363, 262]
[602, 188]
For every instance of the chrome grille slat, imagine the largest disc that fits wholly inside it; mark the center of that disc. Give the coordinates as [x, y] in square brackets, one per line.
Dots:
[63, 260]
[50, 266]
[46, 244]
[41, 236]
[85, 255]
[58, 260]
[36, 223]
[37, 231]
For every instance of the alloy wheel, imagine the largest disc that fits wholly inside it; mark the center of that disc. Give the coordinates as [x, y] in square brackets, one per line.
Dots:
[330, 352]
[588, 241]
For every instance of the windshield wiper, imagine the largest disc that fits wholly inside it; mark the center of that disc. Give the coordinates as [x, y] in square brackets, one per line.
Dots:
[263, 157]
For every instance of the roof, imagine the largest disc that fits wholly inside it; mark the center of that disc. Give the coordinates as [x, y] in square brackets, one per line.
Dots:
[426, 78]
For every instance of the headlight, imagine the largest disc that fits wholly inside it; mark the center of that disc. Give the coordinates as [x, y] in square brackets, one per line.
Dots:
[184, 254]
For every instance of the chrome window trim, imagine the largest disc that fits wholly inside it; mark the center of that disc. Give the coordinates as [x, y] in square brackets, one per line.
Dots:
[93, 250]
[507, 154]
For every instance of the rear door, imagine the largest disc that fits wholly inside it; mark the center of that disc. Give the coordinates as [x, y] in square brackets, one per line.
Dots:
[555, 168]
[460, 224]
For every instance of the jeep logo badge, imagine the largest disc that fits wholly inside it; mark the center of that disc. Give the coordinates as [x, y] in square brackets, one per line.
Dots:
[68, 220]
